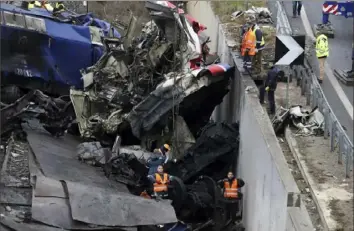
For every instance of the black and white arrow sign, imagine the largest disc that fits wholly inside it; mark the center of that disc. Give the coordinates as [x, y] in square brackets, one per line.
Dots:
[294, 50]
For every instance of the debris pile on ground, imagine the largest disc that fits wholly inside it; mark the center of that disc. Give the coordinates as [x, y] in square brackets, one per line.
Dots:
[307, 122]
[260, 15]
[81, 162]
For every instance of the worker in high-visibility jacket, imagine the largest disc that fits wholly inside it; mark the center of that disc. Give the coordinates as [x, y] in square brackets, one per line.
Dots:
[260, 43]
[160, 182]
[322, 52]
[248, 48]
[231, 192]
[40, 4]
[59, 7]
[33, 4]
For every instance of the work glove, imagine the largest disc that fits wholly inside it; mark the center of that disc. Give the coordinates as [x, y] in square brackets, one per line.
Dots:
[267, 88]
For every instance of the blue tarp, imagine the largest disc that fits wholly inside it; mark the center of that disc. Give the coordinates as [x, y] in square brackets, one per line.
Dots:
[56, 55]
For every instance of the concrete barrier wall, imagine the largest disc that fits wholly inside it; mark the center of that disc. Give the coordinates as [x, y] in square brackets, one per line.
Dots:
[271, 197]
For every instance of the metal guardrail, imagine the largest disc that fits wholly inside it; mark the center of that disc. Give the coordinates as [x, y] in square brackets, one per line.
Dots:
[283, 25]
[306, 79]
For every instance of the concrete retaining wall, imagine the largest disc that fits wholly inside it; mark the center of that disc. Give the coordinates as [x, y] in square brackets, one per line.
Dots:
[271, 197]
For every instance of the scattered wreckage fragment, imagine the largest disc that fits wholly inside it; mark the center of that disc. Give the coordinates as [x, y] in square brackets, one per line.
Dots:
[193, 191]
[260, 15]
[135, 90]
[307, 122]
[136, 95]
[195, 201]
[54, 113]
[68, 194]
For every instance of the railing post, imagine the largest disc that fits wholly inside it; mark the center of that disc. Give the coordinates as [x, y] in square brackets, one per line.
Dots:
[340, 150]
[333, 131]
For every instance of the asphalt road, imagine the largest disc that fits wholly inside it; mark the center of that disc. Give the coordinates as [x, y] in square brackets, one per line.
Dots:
[341, 45]
[340, 57]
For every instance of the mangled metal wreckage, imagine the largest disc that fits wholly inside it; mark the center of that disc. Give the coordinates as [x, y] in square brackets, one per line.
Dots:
[144, 95]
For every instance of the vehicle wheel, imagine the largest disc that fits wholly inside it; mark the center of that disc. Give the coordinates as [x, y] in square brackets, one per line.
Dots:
[9, 94]
[177, 193]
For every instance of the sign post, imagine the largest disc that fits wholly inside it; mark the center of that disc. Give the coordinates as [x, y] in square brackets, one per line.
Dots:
[288, 51]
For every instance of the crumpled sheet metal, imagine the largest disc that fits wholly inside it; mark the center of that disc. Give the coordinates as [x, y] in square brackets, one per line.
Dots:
[48, 187]
[308, 123]
[96, 205]
[54, 211]
[57, 158]
[167, 95]
[216, 140]
[50, 205]
[19, 226]
[137, 151]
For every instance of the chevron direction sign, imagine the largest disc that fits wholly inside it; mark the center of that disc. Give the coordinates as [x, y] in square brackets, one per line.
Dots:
[289, 50]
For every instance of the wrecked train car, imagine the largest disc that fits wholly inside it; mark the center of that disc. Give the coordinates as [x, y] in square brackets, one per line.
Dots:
[45, 51]
[135, 90]
[141, 95]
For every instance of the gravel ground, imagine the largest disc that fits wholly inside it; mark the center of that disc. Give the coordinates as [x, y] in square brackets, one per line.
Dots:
[302, 185]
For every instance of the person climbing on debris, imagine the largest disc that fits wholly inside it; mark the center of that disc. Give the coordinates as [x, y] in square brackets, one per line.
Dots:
[257, 60]
[160, 182]
[59, 7]
[33, 4]
[40, 4]
[164, 150]
[269, 86]
[322, 52]
[159, 157]
[248, 48]
[231, 192]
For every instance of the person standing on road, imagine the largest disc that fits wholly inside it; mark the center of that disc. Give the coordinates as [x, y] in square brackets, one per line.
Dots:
[297, 5]
[270, 86]
[322, 52]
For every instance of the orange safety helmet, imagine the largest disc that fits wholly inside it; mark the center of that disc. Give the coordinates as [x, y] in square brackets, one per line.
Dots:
[167, 147]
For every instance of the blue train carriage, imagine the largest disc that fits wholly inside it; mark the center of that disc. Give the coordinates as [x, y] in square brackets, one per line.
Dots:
[46, 52]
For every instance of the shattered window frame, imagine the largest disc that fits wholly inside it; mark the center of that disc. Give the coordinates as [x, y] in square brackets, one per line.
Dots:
[36, 24]
[12, 20]
[22, 21]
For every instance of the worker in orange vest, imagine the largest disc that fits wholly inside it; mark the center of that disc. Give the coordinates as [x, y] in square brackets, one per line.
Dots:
[231, 192]
[160, 182]
[248, 48]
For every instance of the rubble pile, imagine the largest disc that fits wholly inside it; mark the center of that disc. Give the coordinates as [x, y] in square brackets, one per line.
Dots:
[307, 122]
[119, 81]
[87, 155]
[261, 15]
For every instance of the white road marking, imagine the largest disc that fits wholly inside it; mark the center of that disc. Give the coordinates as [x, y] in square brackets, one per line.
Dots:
[339, 90]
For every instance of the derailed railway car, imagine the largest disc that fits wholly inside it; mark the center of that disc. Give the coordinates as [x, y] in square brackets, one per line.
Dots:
[44, 51]
[132, 100]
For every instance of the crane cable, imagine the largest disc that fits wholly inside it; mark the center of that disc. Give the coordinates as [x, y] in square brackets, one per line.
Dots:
[175, 109]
